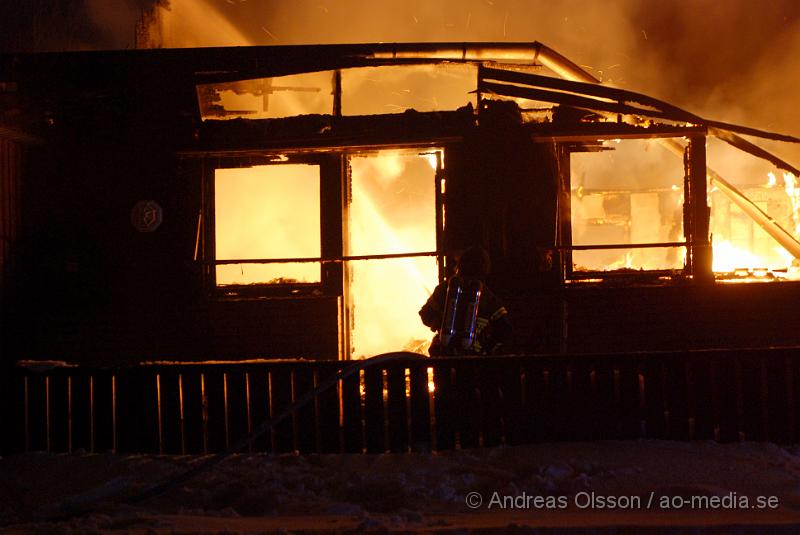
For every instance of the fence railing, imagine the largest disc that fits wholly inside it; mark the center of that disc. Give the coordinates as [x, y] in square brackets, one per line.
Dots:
[408, 404]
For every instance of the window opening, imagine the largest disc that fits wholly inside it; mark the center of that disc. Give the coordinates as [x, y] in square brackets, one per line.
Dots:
[627, 196]
[392, 210]
[397, 88]
[267, 212]
[268, 98]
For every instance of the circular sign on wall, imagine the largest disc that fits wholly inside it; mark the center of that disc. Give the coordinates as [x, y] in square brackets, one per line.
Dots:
[146, 216]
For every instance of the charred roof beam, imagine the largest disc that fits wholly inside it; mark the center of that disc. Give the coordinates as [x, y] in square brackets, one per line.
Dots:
[571, 99]
[619, 101]
[649, 106]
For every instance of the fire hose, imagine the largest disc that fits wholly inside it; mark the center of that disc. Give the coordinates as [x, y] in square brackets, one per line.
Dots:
[71, 508]
[270, 423]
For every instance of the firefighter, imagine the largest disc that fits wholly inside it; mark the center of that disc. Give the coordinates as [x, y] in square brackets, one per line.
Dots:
[467, 317]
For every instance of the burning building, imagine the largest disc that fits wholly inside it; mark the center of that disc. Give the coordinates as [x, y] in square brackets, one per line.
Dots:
[303, 201]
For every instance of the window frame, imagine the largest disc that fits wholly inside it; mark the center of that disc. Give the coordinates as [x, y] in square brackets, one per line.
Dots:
[207, 232]
[565, 146]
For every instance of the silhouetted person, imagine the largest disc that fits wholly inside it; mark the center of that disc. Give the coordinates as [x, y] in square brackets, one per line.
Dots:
[468, 318]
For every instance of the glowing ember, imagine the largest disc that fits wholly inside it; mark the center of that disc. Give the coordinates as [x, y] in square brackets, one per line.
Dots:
[728, 258]
[741, 246]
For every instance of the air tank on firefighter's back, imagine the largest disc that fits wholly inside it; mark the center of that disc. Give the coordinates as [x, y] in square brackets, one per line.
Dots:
[459, 323]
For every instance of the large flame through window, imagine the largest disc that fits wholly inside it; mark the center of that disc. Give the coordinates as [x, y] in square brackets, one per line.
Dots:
[741, 246]
[273, 212]
[629, 195]
[634, 195]
[392, 210]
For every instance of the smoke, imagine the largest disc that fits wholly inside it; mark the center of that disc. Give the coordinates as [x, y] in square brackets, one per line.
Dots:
[733, 61]
[199, 23]
[65, 25]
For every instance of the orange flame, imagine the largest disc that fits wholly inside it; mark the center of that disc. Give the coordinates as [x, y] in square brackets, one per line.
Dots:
[392, 211]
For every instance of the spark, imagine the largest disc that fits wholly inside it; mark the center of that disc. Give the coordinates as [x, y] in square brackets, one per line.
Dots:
[505, 20]
[469, 19]
[645, 34]
[266, 31]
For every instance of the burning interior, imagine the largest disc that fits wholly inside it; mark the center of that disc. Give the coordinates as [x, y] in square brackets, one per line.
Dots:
[317, 195]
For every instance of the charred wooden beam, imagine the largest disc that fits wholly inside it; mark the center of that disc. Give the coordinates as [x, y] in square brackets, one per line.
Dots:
[699, 211]
[765, 221]
[622, 246]
[589, 132]
[742, 144]
[532, 53]
[648, 105]
[324, 259]
[578, 101]
[770, 226]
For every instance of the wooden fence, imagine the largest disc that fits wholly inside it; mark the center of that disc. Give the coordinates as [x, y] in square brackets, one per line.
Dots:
[408, 404]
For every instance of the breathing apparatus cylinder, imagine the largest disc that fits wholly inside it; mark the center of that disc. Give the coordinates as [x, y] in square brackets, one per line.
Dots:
[460, 317]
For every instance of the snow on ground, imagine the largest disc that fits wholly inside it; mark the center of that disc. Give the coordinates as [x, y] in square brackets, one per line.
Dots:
[590, 486]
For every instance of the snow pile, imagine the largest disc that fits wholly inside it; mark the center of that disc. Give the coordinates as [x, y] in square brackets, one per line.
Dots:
[406, 492]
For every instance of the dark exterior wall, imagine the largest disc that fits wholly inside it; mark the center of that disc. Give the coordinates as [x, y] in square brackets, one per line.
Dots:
[685, 317]
[205, 330]
[601, 318]
[11, 154]
[10, 165]
[95, 289]
[501, 194]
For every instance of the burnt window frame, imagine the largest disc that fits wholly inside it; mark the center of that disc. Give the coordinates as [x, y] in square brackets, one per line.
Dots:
[695, 211]
[334, 192]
